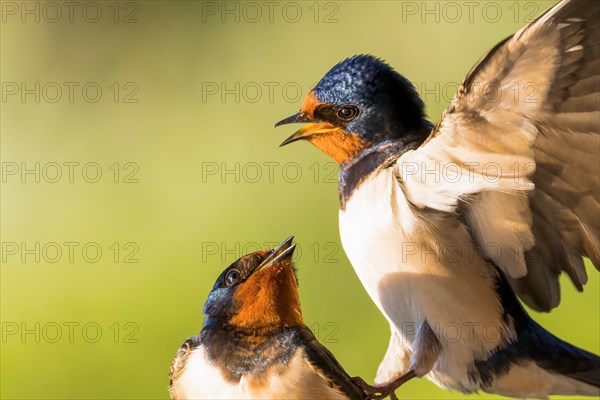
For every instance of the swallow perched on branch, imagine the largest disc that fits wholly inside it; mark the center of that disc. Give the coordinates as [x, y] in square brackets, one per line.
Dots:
[448, 225]
[254, 343]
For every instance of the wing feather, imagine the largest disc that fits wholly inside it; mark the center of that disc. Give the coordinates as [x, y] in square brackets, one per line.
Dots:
[180, 359]
[322, 358]
[520, 147]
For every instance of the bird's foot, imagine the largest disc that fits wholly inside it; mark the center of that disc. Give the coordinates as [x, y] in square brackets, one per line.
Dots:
[361, 383]
[382, 391]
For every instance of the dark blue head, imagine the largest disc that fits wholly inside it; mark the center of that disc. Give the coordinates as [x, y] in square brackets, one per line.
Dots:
[259, 290]
[360, 102]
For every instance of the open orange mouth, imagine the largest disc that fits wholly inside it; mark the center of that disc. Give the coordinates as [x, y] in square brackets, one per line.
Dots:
[308, 130]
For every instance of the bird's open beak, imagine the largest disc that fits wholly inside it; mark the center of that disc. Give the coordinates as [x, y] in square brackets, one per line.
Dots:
[283, 252]
[312, 128]
[297, 118]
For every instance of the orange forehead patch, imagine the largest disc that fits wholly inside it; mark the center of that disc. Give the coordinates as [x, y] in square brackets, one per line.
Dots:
[310, 103]
[339, 144]
[269, 299]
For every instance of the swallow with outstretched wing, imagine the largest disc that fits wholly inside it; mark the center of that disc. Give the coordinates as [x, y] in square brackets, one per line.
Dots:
[448, 226]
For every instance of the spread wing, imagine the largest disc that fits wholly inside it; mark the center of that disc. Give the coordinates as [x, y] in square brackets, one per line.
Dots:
[518, 153]
[181, 356]
[321, 358]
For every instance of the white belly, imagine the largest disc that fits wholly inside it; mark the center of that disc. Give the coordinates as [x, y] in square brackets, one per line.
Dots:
[298, 380]
[417, 267]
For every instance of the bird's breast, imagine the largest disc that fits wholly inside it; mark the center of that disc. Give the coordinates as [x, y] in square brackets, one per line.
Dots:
[373, 227]
[298, 379]
[420, 265]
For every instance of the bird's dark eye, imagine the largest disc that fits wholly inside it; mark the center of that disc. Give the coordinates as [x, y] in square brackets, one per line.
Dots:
[232, 277]
[347, 113]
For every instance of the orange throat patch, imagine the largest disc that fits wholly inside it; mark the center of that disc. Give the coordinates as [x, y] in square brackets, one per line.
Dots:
[269, 299]
[338, 144]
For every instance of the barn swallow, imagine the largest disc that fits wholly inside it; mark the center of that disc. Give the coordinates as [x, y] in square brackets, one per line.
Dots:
[254, 343]
[447, 226]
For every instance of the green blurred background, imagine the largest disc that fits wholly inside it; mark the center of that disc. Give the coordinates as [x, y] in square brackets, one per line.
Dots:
[192, 176]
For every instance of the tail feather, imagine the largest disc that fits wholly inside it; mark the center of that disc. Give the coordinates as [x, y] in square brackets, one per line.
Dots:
[559, 357]
[591, 377]
[557, 367]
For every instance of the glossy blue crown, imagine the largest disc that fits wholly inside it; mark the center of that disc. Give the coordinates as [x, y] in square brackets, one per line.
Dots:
[356, 78]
